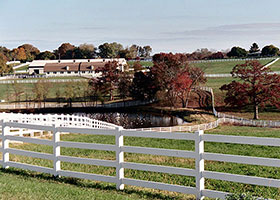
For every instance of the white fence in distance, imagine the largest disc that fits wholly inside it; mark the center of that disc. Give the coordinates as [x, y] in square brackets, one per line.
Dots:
[230, 60]
[120, 180]
[45, 80]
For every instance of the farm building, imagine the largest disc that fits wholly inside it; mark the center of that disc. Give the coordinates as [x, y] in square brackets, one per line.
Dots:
[77, 67]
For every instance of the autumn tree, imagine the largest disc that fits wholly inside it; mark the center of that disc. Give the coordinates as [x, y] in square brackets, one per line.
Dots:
[143, 86]
[18, 91]
[30, 51]
[257, 87]
[6, 52]
[70, 93]
[4, 68]
[41, 89]
[217, 55]
[109, 78]
[124, 84]
[63, 49]
[19, 54]
[175, 77]
[137, 66]
[95, 91]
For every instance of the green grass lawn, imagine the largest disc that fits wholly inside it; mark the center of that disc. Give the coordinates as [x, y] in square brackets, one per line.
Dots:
[143, 63]
[214, 67]
[7, 91]
[137, 193]
[276, 66]
[222, 67]
[22, 68]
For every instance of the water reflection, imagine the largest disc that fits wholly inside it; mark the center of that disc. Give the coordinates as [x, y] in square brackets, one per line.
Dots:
[137, 120]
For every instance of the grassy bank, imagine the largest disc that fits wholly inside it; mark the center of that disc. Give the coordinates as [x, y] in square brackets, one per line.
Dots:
[222, 67]
[236, 149]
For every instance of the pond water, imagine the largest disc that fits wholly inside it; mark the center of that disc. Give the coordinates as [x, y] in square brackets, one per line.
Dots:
[137, 120]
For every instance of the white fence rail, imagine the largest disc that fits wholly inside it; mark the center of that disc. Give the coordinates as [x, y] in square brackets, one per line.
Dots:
[45, 80]
[120, 180]
[231, 60]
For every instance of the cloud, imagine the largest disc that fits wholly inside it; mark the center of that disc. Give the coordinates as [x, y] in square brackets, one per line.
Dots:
[231, 30]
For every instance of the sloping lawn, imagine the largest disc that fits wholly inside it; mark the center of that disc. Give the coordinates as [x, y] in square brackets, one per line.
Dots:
[222, 67]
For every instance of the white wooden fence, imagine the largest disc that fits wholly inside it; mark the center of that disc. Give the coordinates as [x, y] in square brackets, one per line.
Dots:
[58, 127]
[230, 60]
[45, 80]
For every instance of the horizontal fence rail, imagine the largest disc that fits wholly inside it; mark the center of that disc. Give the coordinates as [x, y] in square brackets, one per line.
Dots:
[82, 125]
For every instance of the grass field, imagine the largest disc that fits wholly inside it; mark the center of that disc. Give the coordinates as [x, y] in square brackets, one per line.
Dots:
[276, 66]
[143, 63]
[215, 67]
[236, 149]
[222, 67]
[7, 91]
[22, 68]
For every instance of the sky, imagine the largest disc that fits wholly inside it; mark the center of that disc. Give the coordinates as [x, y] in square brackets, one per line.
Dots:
[166, 25]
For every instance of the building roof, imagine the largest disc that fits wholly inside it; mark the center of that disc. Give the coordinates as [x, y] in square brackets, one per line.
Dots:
[77, 66]
[42, 63]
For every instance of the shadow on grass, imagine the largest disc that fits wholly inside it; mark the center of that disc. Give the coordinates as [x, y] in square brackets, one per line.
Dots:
[94, 185]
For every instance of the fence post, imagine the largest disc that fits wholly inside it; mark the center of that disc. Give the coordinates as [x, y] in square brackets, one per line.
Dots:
[5, 145]
[199, 164]
[56, 151]
[119, 158]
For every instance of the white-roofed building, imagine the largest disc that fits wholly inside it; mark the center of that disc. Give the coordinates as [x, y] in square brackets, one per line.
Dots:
[38, 66]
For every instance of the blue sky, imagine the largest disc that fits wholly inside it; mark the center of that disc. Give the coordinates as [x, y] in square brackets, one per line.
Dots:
[166, 25]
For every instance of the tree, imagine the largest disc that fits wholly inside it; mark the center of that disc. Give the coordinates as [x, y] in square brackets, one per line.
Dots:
[254, 48]
[19, 54]
[70, 93]
[143, 86]
[110, 50]
[46, 55]
[124, 84]
[30, 51]
[4, 68]
[88, 51]
[147, 50]
[109, 78]
[237, 52]
[62, 50]
[270, 50]
[217, 55]
[137, 66]
[182, 87]
[166, 70]
[257, 87]
[175, 77]
[42, 89]
[95, 91]
[18, 90]
[6, 52]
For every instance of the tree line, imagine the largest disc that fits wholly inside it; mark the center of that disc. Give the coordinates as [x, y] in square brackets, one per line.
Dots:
[235, 52]
[28, 52]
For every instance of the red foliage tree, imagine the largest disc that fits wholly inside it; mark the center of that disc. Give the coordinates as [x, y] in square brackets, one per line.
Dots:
[109, 78]
[258, 87]
[175, 77]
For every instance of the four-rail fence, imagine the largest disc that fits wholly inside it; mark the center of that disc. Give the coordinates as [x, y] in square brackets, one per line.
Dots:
[76, 124]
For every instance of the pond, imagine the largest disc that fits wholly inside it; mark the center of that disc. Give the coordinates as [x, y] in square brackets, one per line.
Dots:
[137, 119]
